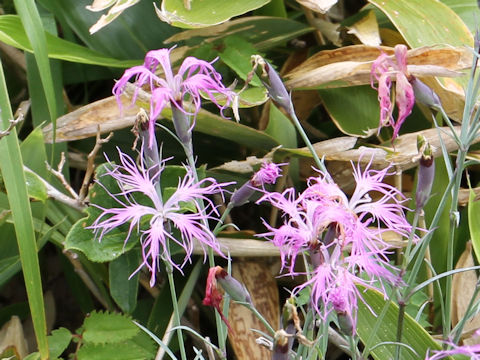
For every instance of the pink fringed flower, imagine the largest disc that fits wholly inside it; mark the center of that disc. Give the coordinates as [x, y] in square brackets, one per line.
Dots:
[472, 351]
[194, 78]
[343, 237]
[161, 215]
[384, 71]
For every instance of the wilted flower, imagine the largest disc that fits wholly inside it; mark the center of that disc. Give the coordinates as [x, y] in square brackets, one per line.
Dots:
[160, 214]
[384, 71]
[194, 78]
[236, 290]
[325, 223]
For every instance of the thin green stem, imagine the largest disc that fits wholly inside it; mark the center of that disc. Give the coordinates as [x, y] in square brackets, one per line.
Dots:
[305, 138]
[176, 312]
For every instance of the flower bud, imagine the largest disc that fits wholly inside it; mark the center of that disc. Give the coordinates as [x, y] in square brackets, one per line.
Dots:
[426, 173]
[233, 287]
[424, 94]
[274, 84]
[268, 174]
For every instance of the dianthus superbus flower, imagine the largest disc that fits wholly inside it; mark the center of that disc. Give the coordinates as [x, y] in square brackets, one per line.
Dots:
[194, 78]
[342, 236]
[161, 215]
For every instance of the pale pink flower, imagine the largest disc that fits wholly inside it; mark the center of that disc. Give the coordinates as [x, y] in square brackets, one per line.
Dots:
[161, 215]
[384, 71]
[194, 78]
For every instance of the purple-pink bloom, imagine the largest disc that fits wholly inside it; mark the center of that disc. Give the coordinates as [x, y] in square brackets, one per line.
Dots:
[384, 71]
[268, 174]
[343, 236]
[161, 214]
[473, 351]
[194, 78]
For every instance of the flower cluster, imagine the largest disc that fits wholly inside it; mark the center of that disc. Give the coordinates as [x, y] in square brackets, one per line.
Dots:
[194, 78]
[384, 71]
[161, 214]
[343, 236]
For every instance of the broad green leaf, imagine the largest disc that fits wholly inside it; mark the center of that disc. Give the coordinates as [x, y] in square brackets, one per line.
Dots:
[204, 13]
[126, 350]
[426, 22]
[467, 10]
[129, 37]
[354, 110]
[263, 32]
[414, 335]
[12, 33]
[112, 244]
[123, 288]
[237, 54]
[58, 341]
[281, 128]
[474, 223]
[36, 188]
[107, 327]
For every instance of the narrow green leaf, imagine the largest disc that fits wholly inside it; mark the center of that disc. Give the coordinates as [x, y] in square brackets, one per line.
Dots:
[12, 33]
[414, 335]
[123, 288]
[474, 223]
[11, 165]
[30, 18]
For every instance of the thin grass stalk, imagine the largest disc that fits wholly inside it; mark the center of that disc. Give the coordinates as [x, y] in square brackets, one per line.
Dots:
[11, 165]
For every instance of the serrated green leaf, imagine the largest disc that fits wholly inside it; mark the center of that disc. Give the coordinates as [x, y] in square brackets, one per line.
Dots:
[123, 288]
[12, 33]
[474, 223]
[104, 327]
[58, 341]
[206, 12]
[118, 351]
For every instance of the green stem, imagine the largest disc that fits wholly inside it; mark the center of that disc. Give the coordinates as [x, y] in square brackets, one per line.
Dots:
[176, 312]
[305, 138]
[188, 149]
[401, 317]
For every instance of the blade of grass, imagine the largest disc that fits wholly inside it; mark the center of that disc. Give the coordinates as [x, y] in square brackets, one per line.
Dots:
[11, 166]
[27, 10]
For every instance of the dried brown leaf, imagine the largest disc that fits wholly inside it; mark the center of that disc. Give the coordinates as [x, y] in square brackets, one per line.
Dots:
[320, 6]
[463, 287]
[366, 30]
[12, 337]
[256, 276]
[351, 65]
